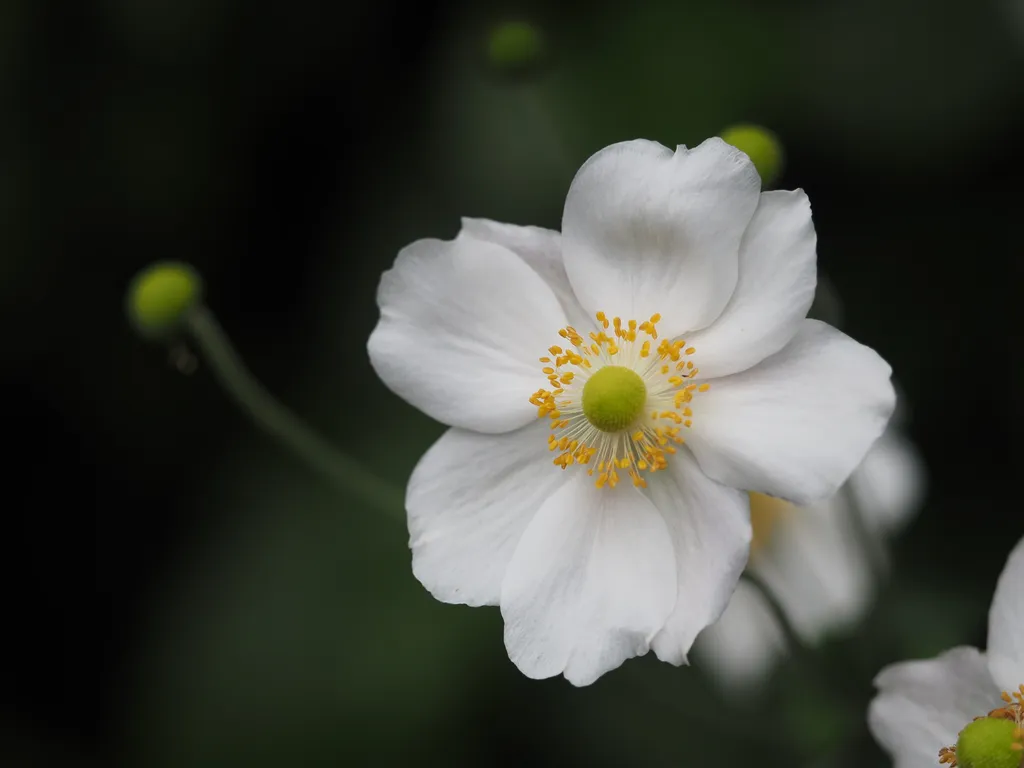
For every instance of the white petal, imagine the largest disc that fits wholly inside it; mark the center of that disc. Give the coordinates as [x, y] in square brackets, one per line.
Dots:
[592, 581]
[470, 498]
[647, 231]
[889, 484]
[777, 275]
[710, 527]
[1006, 624]
[462, 325]
[817, 570]
[797, 424]
[542, 250]
[743, 646]
[921, 706]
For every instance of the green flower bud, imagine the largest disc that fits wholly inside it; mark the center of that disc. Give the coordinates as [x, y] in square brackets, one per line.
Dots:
[514, 47]
[762, 147]
[160, 296]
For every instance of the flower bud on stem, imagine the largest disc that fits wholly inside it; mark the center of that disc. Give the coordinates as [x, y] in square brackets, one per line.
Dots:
[164, 303]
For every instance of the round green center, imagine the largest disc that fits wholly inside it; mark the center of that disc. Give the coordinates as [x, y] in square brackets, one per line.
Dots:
[613, 398]
[988, 743]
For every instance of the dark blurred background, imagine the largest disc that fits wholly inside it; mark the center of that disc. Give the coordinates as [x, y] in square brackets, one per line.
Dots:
[181, 592]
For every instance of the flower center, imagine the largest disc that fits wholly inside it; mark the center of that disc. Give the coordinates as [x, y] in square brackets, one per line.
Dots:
[613, 398]
[766, 512]
[993, 741]
[617, 402]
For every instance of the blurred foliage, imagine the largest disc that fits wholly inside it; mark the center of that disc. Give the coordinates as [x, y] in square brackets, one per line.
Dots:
[242, 612]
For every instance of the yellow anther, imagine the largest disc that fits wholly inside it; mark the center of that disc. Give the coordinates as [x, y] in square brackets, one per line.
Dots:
[703, 387]
[690, 350]
[640, 444]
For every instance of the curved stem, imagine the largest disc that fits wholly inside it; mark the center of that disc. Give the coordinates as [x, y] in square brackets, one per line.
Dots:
[279, 422]
[793, 640]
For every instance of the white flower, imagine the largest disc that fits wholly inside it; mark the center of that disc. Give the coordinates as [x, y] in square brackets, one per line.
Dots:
[922, 706]
[630, 540]
[814, 562]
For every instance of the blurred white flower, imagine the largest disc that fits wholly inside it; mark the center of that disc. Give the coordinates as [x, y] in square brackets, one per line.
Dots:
[814, 561]
[589, 571]
[924, 710]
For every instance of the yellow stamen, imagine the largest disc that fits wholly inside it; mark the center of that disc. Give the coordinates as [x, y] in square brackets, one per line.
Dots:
[633, 442]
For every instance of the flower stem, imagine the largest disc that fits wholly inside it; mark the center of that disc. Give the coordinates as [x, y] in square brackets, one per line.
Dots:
[548, 129]
[279, 422]
[793, 640]
[804, 654]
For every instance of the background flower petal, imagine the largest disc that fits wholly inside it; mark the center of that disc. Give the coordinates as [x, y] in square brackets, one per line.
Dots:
[710, 528]
[646, 230]
[889, 484]
[921, 706]
[817, 569]
[742, 647]
[774, 290]
[462, 323]
[469, 500]
[796, 425]
[592, 581]
[1006, 624]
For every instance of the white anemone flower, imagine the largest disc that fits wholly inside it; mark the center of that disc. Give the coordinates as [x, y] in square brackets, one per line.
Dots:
[964, 707]
[662, 341]
[814, 561]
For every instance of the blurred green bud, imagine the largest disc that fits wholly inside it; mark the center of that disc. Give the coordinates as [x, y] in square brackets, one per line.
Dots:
[762, 147]
[989, 742]
[160, 296]
[514, 47]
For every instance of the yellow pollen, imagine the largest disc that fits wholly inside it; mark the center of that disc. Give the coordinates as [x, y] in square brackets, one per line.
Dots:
[617, 399]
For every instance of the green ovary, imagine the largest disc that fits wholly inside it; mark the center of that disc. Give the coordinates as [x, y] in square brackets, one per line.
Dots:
[988, 743]
[613, 398]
